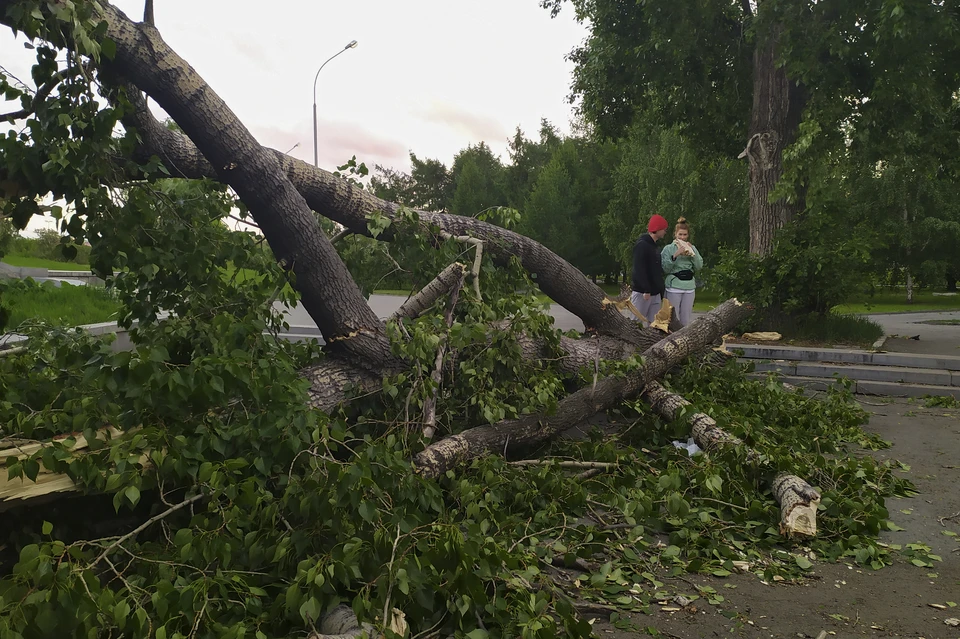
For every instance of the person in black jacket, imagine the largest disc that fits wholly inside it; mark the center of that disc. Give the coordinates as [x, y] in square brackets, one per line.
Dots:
[648, 286]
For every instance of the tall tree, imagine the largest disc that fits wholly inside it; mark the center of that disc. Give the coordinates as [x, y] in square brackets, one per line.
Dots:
[745, 74]
[660, 172]
[478, 181]
[527, 159]
[564, 206]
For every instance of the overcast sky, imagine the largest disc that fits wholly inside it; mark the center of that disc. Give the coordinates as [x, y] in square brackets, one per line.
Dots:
[428, 76]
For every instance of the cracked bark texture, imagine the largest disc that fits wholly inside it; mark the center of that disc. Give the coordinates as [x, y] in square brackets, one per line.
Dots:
[778, 104]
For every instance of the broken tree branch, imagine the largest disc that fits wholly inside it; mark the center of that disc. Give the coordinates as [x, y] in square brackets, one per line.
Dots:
[577, 407]
[136, 531]
[429, 294]
[798, 500]
[477, 259]
[430, 404]
[350, 206]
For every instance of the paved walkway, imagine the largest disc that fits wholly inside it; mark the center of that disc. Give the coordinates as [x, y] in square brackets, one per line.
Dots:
[933, 339]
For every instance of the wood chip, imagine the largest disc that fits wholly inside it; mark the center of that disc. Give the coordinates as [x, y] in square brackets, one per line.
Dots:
[938, 606]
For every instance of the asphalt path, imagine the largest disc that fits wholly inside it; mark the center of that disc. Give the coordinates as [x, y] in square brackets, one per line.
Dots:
[934, 338]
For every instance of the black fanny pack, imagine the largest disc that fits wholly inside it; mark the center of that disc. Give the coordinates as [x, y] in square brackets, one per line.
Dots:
[686, 275]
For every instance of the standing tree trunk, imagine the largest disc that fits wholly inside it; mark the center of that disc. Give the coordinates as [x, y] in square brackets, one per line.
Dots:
[951, 277]
[909, 282]
[777, 106]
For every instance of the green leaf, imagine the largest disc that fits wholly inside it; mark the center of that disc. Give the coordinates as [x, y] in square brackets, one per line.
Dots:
[803, 562]
[132, 493]
[47, 528]
[368, 511]
[310, 610]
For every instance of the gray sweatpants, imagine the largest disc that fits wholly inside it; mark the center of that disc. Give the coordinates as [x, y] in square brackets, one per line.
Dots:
[648, 308]
[683, 302]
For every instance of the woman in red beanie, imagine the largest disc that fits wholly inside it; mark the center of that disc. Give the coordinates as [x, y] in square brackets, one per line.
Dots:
[648, 286]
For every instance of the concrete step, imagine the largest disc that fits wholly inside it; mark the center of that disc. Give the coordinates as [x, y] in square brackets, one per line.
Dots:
[869, 387]
[845, 356]
[892, 374]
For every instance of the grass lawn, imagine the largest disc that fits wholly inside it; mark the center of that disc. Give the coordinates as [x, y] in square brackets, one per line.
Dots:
[38, 262]
[63, 306]
[894, 301]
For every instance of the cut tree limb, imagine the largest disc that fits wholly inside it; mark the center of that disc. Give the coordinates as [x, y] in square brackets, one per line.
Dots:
[798, 500]
[577, 407]
[798, 505]
[430, 404]
[417, 304]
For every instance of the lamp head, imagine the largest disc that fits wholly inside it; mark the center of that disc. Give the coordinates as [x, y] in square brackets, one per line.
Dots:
[351, 45]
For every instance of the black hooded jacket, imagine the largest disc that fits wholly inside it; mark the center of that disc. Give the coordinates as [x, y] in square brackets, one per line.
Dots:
[647, 271]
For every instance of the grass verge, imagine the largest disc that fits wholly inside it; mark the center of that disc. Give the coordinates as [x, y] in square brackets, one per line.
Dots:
[39, 262]
[62, 306]
[894, 301]
[833, 329]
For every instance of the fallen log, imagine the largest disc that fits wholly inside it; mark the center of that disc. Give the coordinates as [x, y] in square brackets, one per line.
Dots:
[798, 500]
[577, 407]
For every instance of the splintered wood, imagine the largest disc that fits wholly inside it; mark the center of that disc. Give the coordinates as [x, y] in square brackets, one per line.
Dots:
[16, 491]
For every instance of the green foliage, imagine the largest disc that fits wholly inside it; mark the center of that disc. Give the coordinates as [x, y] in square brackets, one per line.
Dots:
[831, 328]
[661, 172]
[690, 64]
[564, 206]
[477, 176]
[816, 264]
[233, 509]
[50, 245]
[7, 235]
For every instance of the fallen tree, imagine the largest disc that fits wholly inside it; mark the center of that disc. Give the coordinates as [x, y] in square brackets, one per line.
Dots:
[269, 483]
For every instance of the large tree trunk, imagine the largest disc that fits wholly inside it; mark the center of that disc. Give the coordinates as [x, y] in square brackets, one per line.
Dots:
[774, 120]
[346, 204]
[328, 291]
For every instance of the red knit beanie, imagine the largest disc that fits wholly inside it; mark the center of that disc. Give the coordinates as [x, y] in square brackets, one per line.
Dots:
[657, 223]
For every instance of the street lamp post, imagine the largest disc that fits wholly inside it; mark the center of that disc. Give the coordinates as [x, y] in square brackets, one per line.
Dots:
[351, 45]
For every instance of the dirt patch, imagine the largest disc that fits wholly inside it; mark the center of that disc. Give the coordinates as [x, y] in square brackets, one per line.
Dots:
[847, 600]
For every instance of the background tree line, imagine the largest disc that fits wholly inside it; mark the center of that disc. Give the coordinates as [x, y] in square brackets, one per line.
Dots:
[815, 147]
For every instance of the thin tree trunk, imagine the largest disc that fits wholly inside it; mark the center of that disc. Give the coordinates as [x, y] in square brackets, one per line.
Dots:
[774, 120]
[906, 227]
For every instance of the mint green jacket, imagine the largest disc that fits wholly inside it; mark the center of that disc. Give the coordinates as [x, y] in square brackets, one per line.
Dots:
[684, 262]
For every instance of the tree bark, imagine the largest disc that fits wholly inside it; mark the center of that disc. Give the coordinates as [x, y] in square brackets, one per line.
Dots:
[778, 104]
[417, 304]
[577, 407]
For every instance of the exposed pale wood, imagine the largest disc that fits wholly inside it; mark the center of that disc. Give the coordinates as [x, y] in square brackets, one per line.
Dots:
[429, 294]
[798, 505]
